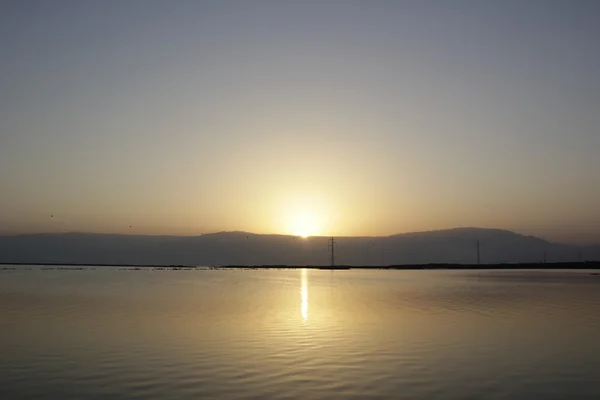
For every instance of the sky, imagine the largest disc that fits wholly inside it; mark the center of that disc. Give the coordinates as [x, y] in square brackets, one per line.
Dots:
[305, 117]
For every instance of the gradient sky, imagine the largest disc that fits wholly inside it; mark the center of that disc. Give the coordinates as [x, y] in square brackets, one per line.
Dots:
[365, 117]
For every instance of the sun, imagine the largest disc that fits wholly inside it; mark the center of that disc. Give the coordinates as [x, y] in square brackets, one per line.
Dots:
[304, 224]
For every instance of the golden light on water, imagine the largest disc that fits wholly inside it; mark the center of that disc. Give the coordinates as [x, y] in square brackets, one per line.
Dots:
[304, 294]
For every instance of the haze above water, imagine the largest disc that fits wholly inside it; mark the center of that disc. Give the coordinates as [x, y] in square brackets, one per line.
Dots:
[108, 333]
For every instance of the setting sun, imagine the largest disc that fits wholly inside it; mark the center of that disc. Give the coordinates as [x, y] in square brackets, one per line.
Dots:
[304, 224]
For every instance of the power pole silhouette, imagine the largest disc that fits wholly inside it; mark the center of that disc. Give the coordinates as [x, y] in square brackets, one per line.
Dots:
[478, 252]
[332, 244]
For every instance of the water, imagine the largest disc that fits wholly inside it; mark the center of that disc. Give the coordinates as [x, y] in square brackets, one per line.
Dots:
[287, 334]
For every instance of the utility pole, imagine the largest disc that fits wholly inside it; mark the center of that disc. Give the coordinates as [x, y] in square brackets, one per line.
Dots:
[478, 253]
[332, 244]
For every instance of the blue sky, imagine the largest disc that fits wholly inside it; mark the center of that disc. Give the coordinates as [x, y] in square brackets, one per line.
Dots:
[364, 117]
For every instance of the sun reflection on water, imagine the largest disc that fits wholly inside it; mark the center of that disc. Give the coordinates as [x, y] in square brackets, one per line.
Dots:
[304, 294]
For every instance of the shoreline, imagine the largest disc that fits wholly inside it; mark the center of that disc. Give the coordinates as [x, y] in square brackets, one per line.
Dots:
[515, 266]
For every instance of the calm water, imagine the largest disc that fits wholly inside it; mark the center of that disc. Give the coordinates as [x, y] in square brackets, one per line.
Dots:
[306, 334]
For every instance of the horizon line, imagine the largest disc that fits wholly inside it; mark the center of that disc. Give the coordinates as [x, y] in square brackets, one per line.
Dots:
[248, 233]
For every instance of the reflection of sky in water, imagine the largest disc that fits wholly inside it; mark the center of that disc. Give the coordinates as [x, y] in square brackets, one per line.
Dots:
[304, 294]
[233, 334]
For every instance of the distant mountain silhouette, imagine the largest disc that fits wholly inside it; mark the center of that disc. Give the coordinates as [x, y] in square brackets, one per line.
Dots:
[243, 248]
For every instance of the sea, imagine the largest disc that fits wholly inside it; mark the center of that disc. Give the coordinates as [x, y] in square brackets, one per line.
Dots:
[168, 333]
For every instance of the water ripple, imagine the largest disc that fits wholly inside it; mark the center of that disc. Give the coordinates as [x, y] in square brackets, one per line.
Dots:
[298, 334]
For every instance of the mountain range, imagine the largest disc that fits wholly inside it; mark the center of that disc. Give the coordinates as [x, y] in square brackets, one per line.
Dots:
[242, 248]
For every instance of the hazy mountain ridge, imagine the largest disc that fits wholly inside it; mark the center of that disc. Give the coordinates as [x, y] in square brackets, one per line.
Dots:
[243, 248]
